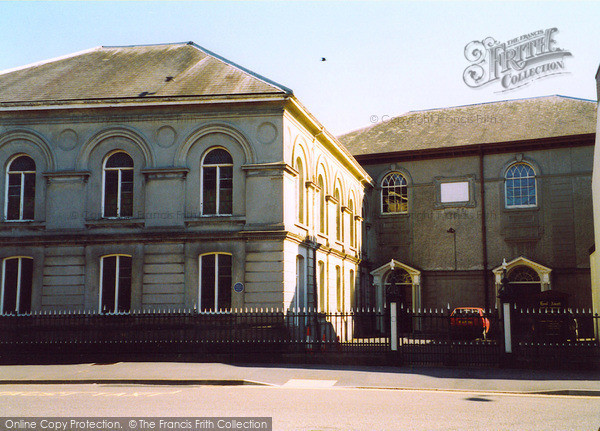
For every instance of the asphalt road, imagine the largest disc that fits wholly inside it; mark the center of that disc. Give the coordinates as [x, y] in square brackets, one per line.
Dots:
[304, 406]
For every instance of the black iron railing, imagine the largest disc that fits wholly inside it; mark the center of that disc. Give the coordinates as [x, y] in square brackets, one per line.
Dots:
[424, 337]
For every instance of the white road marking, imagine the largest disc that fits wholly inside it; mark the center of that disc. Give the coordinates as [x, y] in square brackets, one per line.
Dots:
[309, 384]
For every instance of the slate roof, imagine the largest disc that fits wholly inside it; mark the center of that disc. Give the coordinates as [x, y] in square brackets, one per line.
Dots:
[511, 120]
[133, 72]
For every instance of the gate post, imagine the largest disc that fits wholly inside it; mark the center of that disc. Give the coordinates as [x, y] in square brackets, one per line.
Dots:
[506, 296]
[393, 327]
[507, 327]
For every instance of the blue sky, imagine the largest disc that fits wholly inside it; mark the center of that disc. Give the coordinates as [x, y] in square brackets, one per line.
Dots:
[383, 58]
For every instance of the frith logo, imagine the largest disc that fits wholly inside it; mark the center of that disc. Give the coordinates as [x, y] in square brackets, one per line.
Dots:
[515, 63]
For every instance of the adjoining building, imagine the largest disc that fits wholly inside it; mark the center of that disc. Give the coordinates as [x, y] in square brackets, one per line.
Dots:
[459, 190]
[167, 177]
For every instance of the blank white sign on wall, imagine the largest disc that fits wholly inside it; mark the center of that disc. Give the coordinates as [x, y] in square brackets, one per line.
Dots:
[455, 192]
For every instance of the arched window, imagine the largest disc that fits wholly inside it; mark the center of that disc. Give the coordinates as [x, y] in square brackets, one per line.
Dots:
[338, 216]
[300, 190]
[300, 296]
[352, 291]
[217, 183]
[322, 206]
[523, 274]
[322, 288]
[17, 281]
[352, 224]
[339, 289]
[215, 282]
[520, 186]
[20, 189]
[115, 283]
[118, 185]
[394, 194]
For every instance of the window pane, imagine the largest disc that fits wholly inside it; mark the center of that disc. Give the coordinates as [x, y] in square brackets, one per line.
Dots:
[111, 186]
[26, 285]
[218, 157]
[224, 281]
[226, 190]
[124, 302]
[119, 160]
[207, 286]
[109, 271]
[394, 194]
[13, 208]
[126, 193]
[520, 186]
[29, 197]
[11, 270]
[209, 185]
[22, 163]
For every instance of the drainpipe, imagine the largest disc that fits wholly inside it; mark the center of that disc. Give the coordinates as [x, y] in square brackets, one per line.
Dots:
[483, 231]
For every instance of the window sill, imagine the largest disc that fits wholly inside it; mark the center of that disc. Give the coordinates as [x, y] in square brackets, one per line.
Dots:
[115, 222]
[22, 224]
[215, 219]
[517, 209]
[404, 214]
[323, 237]
[301, 226]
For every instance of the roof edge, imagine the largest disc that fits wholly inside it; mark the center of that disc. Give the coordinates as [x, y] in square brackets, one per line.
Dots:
[502, 101]
[50, 60]
[243, 69]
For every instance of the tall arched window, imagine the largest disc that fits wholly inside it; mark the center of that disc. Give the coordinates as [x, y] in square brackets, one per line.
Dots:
[394, 194]
[322, 206]
[352, 291]
[118, 185]
[322, 288]
[17, 281]
[20, 189]
[215, 282]
[352, 224]
[300, 189]
[339, 291]
[338, 216]
[520, 186]
[300, 296]
[115, 283]
[217, 183]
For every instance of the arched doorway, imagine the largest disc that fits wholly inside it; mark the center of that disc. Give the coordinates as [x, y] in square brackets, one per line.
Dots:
[526, 278]
[399, 283]
[403, 281]
[398, 288]
[526, 281]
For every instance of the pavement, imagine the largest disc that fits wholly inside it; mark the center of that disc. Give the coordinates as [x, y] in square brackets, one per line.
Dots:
[547, 382]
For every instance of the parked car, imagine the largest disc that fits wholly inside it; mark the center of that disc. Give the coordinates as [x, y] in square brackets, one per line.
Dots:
[469, 322]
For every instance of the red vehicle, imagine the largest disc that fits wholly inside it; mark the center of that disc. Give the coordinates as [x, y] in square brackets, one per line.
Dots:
[469, 322]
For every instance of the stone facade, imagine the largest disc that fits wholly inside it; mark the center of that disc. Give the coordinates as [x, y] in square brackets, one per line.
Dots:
[167, 242]
[455, 245]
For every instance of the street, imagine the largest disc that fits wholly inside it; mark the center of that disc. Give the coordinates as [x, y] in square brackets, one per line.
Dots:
[309, 407]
